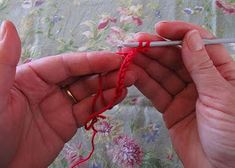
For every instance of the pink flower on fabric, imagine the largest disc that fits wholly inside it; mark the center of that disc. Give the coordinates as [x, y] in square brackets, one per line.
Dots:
[136, 100]
[170, 156]
[71, 153]
[137, 20]
[103, 24]
[125, 152]
[105, 21]
[131, 19]
[116, 36]
[123, 11]
[226, 7]
[131, 15]
[126, 19]
[104, 128]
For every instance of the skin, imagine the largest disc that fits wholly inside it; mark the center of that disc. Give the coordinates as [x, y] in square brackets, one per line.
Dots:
[195, 91]
[36, 117]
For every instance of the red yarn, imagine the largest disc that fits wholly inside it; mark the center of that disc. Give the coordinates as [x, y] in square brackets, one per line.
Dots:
[93, 118]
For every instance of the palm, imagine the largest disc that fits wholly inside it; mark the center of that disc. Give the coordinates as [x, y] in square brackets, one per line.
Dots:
[42, 129]
[40, 117]
[175, 97]
[184, 132]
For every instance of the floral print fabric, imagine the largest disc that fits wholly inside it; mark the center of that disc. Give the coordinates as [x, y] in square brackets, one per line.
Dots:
[134, 134]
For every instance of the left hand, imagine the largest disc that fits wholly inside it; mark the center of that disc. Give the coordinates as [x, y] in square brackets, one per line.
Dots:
[36, 117]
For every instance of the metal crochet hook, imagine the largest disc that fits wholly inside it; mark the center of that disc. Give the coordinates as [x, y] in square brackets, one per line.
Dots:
[174, 43]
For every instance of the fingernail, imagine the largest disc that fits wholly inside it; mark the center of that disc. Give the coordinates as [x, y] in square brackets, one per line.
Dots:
[194, 41]
[2, 31]
[161, 22]
[137, 35]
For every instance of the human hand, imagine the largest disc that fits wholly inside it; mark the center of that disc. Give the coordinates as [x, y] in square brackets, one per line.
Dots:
[36, 117]
[194, 88]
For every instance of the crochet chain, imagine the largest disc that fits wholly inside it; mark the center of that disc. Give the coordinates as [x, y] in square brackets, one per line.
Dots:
[94, 117]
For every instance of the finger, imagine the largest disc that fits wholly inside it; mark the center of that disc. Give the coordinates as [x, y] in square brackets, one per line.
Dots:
[198, 63]
[83, 109]
[170, 57]
[151, 89]
[164, 76]
[10, 48]
[176, 31]
[90, 85]
[143, 36]
[56, 69]
[64, 118]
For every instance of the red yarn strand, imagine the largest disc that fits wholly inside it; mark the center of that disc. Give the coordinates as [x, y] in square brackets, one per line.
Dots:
[120, 85]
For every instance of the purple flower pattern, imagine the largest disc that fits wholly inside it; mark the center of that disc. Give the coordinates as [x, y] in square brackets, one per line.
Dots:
[125, 152]
[152, 133]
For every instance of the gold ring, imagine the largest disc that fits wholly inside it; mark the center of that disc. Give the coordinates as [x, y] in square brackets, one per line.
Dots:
[70, 95]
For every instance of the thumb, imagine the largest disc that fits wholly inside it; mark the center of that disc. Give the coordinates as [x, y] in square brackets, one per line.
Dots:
[199, 64]
[10, 49]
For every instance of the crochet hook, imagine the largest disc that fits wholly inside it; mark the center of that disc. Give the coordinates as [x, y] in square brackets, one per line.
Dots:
[174, 43]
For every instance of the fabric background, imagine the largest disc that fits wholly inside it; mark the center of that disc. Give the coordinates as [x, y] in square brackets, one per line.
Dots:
[134, 131]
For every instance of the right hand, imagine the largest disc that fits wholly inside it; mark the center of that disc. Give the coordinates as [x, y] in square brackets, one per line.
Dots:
[194, 88]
